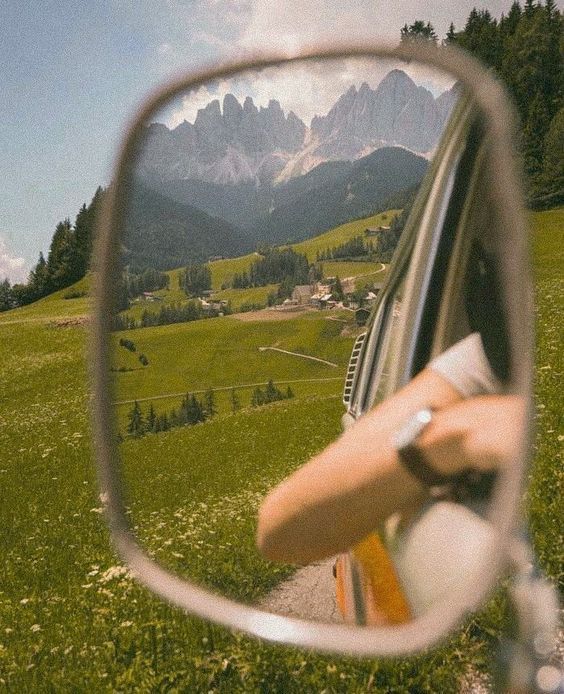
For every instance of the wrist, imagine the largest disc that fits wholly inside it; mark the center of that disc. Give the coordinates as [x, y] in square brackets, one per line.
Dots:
[423, 453]
[442, 446]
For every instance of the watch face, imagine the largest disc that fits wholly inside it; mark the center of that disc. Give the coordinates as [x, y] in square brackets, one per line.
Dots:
[412, 428]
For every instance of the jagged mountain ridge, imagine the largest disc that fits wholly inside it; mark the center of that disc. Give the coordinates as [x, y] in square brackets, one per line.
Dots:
[234, 143]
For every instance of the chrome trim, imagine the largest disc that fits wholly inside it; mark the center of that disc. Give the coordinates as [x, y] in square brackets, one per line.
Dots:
[352, 371]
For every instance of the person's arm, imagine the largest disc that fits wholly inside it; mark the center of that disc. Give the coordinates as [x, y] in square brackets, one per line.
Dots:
[356, 483]
[352, 486]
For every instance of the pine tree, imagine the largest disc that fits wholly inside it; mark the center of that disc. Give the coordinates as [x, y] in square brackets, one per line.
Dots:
[60, 256]
[289, 393]
[136, 423]
[258, 397]
[38, 283]
[450, 35]
[83, 236]
[551, 181]
[418, 31]
[271, 392]
[6, 296]
[209, 408]
[530, 7]
[235, 402]
[337, 290]
[151, 424]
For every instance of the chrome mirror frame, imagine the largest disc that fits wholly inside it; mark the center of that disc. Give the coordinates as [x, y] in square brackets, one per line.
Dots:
[499, 123]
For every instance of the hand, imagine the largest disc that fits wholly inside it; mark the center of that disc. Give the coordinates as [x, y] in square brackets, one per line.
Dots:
[481, 433]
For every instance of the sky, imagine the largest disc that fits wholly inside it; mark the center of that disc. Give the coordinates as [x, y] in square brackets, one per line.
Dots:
[72, 74]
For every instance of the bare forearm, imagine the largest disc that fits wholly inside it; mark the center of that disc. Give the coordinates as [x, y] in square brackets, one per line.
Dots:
[352, 486]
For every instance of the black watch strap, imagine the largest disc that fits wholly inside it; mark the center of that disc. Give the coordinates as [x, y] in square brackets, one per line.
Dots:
[415, 462]
[461, 486]
[413, 459]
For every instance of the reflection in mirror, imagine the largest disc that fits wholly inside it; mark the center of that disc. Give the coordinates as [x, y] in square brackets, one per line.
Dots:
[263, 220]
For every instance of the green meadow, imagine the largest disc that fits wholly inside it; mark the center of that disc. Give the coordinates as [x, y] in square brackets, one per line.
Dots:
[71, 616]
[224, 353]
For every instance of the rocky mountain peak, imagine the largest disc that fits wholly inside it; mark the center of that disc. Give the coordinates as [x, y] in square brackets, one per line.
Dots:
[238, 142]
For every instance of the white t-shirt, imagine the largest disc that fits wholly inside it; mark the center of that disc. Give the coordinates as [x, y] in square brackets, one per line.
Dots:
[466, 367]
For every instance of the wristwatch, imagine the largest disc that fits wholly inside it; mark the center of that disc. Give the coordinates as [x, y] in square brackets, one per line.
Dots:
[463, 485]
[411, 456]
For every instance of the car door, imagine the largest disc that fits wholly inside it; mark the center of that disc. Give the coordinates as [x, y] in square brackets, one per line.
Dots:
[419, 313]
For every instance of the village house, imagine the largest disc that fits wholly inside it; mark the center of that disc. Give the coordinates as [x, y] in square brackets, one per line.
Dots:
[302, 294]
[149, 296]
[213, 306]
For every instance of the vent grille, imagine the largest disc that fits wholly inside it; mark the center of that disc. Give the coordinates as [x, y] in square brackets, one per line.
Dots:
[351, 371]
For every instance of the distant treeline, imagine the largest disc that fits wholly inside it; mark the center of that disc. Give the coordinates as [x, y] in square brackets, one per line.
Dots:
[148, 280]
[167, 315]
[275, 266]
[271, 393]
[192, 410]
[353, 248]
[195, 279]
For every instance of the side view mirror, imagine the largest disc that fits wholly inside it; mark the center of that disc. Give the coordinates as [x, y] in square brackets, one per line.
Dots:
[254, 234]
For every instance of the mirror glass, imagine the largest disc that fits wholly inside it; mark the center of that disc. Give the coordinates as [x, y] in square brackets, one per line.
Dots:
[263, 221]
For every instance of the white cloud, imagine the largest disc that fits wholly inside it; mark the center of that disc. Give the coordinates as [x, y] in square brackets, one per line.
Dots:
[292, 24]
[13, 268]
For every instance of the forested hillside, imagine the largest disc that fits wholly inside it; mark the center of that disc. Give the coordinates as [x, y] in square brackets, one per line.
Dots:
[525, 48]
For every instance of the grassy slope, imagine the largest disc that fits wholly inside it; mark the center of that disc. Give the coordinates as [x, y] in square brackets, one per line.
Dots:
[545, 493]
[222, 271]
[68, 625]
[54, 306]
[340, 234]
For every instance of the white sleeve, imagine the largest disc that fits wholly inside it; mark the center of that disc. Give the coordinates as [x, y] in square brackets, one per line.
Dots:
[466, 367]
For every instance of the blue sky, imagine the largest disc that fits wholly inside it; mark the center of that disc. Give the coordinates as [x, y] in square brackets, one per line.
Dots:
[71, 74]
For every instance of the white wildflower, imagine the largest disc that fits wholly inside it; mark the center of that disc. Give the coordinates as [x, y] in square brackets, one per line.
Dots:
[112, 573]
[35, 627]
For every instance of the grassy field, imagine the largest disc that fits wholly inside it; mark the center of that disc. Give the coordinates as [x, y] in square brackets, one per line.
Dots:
[55, 305]
[340, 234]
[546, 489]
[224, 352]
[72, 619]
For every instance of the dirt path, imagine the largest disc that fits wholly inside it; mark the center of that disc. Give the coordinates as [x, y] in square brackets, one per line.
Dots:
[297, 354]
[309, 594]
[220, 388]
[268, 314]
[365, 274]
